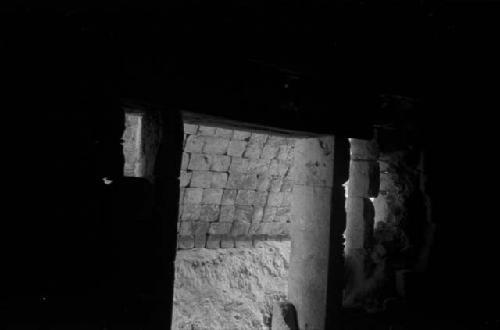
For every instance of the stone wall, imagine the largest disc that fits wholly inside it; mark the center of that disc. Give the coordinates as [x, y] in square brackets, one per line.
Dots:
[235, 188]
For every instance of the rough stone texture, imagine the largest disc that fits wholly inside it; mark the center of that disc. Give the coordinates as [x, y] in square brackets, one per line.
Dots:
[229, 289]
[232, 176]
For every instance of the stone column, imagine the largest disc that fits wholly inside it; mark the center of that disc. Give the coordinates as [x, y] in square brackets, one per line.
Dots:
[363, 184]
[310, 231]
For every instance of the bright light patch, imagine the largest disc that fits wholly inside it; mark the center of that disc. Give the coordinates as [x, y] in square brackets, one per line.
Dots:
[107, 181]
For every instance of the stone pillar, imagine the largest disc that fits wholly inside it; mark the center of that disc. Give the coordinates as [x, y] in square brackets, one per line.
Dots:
[310, 231]
[363, 184]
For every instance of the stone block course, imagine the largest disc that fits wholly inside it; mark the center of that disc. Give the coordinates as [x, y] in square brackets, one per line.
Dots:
[212, 196]
[235, 186]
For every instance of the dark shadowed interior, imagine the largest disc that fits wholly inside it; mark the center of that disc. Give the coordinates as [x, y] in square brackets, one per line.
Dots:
[393, 219]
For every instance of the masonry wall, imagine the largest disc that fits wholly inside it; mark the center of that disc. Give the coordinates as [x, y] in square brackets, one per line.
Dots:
[235, 188]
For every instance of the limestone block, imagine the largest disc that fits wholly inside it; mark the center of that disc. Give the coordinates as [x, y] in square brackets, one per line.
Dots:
[274, 167]
[313, 164]
[213, 241]
[193, 195]
[200, 241]
[243, 213]
[226, 213]
[245, 197]
[219, 180]
[209, 212]
[200, 227]
[242, 181]
[191, 212]
[263, 182]
[215, 145]
[269, 213]
[229, 196]
[287, 199]
[260, 198]
[284, 316]
[239, 164]
[275, 198]
[275, 184]
[227, 242]
[185, 228]
[224, 132]
[212, 196]
[185, 161]
[258, 138]
[364, 149]
[185, 178]
[258, 166]
[243, 241]
[283, 214]
[236, 148]
[201, 179]
[253, 151]
[364, 179]
[274, 229]
[284, 152]
[240, 228]
[190, 128]
[185, 242]
[283, 167]
[258, 214]
[269, 151]
[181, 195]
[219, 228]
[194, 143]
[219, 163]
[206, 130]
[241, 135]
[287, 185]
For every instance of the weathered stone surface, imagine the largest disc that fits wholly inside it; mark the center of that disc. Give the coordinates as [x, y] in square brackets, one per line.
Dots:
[245, 197]
[287, 185]
[242, 181]
[206, 130]
[236, 148]
[185, 178]
[212, 196]
[241, 135]
[185, 242]
[240, 228]
[185, 160]
[201, 179]
[194, 143]
[181, 195]
[190, 129]
[239, 164]
[287, 199]
[219, 163]
[275, 184]
[269, 151]
[243, 242]
[274, 167]
[200, 227]
[283, 152]
[258, 214]
[227, 242]
[313, 163]
[219, 180]
[229, 196]
[200, 241]
[263, 182]
[284, 316]
[209, 212]
[213, 286]
[243, 213]
[253, 150]
[224, 132]
[259, 241]
[219, 228]
[258, 166]
[269, 213]
[283, 214]
[364, 179]
[191, 212]
[193, 195]
[226, 213]
[214, 145]
[213, 241]
[260, 198]
[275, 199]
[258, 138]
[185, 228]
